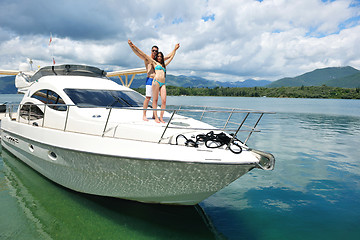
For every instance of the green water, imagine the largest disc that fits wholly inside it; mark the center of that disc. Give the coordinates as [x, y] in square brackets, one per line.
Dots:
[313, 193]
[35, 208]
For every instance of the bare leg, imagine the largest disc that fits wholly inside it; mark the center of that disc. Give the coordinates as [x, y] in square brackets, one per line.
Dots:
[155, 94]
[145, 106]
[163, 102]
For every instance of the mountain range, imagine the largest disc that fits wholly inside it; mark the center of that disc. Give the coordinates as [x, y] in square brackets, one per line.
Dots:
[195, 82]
[345, 77]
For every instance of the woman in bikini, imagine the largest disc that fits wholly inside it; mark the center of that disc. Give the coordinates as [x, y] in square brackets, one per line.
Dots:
[159, 79]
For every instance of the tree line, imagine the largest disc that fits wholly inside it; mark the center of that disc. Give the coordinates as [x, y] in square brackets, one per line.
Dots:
[280, 92]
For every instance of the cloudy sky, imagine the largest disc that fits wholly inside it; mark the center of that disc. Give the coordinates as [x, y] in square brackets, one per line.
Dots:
[227, 40]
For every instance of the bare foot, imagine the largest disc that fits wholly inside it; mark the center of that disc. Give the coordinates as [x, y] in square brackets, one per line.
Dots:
[145, 118]
[157, 120]
[161, 120]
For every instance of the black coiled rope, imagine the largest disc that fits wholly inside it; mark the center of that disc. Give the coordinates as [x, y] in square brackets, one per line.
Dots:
[213, 140]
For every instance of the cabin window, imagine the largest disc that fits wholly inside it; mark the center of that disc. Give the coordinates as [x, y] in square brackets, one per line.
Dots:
[29, 111]
[105, 98]
[51, 98]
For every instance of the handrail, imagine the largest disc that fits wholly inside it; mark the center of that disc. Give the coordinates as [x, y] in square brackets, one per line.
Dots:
[234, 135]
[67, 117]
[182, 109]
[167, 125]
[252, 130]
[107, 121]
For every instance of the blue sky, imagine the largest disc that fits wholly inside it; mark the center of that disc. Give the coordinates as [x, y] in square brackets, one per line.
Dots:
[226, 40]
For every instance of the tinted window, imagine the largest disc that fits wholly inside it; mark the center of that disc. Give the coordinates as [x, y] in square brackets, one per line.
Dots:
[50, 97]
[31, 111]
[105, 98]
[41, 95]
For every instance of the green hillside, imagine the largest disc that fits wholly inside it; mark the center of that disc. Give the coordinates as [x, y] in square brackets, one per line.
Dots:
[281, 92]
[352, 81]
[336, 76]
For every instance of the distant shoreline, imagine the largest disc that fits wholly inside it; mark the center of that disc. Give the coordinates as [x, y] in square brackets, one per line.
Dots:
[324, 92]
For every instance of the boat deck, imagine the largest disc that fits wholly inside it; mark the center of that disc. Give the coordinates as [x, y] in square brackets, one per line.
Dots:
[241, 123]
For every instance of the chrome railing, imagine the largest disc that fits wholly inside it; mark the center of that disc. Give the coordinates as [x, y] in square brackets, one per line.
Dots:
[231, 120]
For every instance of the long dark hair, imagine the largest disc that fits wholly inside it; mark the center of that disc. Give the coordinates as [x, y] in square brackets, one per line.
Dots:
[162, 59]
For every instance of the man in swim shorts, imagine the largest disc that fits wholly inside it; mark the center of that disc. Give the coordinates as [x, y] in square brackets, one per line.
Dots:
[150, 76]
[149, 79]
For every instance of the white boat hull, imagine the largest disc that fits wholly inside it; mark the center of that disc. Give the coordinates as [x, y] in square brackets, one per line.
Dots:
[87, 133]
[139, 179]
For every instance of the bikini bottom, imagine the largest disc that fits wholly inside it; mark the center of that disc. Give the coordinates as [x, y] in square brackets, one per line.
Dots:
[160, 83]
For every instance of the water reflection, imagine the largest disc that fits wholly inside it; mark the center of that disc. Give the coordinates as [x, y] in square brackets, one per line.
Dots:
[320, 211]
[58, 213]
[314, 190]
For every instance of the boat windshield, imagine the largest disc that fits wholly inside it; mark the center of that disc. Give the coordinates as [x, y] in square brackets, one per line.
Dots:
[104, 98]
[70, 70]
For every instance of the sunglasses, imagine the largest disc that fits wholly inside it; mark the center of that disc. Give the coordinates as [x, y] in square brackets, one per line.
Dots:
[154, 50]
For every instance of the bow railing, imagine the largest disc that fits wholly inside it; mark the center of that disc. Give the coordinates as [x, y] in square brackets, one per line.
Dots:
[235, 121]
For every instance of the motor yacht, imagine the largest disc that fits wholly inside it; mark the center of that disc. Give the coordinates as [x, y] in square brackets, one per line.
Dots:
[85, 132]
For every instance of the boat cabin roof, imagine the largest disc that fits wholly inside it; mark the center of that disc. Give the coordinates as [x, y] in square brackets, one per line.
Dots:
[68, 70]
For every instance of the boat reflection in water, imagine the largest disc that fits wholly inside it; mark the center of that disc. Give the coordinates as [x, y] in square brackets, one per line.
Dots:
[59, 213]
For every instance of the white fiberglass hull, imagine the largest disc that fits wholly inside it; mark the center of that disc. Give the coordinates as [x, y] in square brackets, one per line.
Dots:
[86, 132]
[106, 172]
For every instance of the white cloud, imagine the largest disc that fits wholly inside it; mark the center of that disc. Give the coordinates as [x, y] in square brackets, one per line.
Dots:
[222, 40]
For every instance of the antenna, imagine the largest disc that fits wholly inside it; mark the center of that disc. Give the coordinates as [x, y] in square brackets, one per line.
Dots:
[30, 61]
[51, 50]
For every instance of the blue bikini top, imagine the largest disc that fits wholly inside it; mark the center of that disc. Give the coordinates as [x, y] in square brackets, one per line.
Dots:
[159, 67]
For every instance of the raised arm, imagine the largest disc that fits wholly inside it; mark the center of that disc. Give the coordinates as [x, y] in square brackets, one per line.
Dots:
[169, 55]
[172, 54]
[139, 53]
